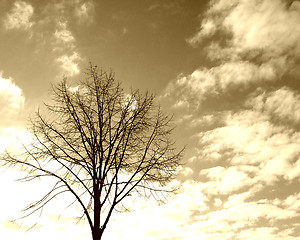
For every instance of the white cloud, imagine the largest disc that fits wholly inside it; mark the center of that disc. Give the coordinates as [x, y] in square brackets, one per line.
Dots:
[249, 138]
[64, 40]
[191, 215]
[243, 152]
[11, 101]
[236, 76]
[227, 180]
[292, 202]
[283, 103]
[266, 233]
[65, 44]
[11, 94]
[247, 214]
[238, 216]
[63, 34]
[262, 44]
[244, 132]
[165, 221]
[269, 25]
[208, 29]
[186, 171]
[20, 16]
[69, 64]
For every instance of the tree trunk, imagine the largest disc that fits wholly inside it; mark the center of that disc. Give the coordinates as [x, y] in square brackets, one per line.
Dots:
[97, 231]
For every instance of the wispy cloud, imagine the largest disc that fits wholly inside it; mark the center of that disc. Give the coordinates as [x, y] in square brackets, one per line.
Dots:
[19, 17]
[63, 34]
[51, 28]
[84, 12]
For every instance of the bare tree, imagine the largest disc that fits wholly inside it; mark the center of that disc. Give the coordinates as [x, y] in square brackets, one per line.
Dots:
[101, 145]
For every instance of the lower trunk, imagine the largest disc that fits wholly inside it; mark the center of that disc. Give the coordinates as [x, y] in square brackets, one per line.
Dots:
[97, 231]
[97, 234]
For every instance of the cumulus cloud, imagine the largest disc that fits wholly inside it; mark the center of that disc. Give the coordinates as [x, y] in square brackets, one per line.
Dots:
[242, 110]
[244, 215]
[267, 25]
[69, 64]
[229, 76]
[249, 138]
[283, 104]
[11, 104]
[193, 215]
[19, 16]
[254, 152]
[251, 43]
[11, 100]
[227, 180]
[255, 145]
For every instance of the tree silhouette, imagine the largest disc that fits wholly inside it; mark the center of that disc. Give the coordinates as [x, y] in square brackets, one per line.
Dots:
[101, 145]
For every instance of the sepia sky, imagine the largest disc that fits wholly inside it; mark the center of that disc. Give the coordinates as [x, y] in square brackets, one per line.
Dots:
[228, 70]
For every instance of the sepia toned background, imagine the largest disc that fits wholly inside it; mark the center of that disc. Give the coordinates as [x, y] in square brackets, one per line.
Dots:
[227, 69]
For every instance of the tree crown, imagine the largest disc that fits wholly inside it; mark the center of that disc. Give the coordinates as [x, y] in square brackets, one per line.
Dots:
[101, 145]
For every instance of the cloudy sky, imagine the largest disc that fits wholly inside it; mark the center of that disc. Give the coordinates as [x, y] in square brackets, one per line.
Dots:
[227, 70]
